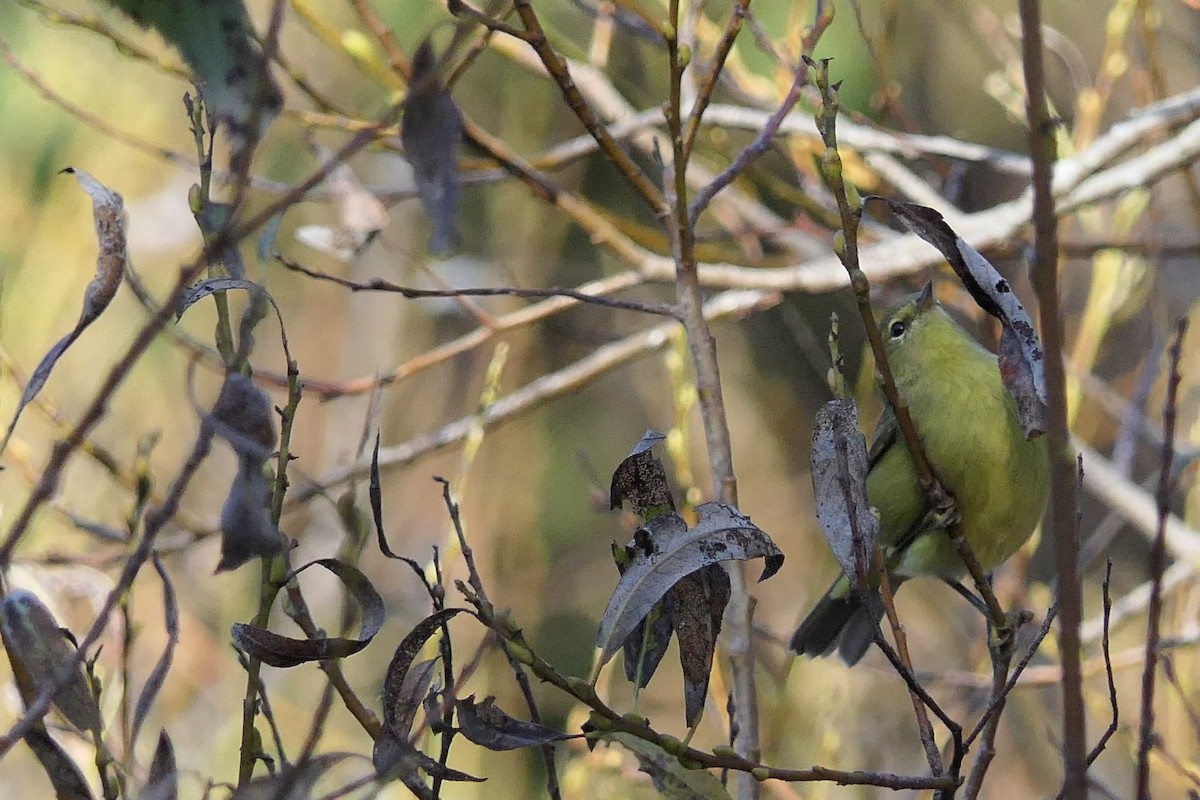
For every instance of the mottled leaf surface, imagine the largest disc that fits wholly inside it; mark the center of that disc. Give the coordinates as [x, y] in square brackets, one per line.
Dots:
[641, 480]
[839, 475]
[665, 551]
[108, 210]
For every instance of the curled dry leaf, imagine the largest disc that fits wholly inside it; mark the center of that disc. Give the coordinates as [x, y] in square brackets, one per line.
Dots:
[395, 758]
[641, 480]
[1020, 356]
[360, 215]
[243, 416]
[282, 651]
[64, 774]
[665, 551]
[39, 650]
[396, 711]
[247, 531]
[108, 210]
[839, 475]
[431, 133]
[162, 780]
[486, 725]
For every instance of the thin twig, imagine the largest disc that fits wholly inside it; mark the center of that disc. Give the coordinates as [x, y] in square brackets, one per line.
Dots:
[380, 285]
[1158, 559]
[1062, 463]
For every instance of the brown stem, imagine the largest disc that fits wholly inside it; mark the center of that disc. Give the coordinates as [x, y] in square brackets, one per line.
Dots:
[1062, 462]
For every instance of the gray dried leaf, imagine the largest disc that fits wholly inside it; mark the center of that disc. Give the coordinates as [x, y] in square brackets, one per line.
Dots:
[839, 475]
[162, 780]
[64, 774]
[395, 709]
[158, 675]
[672, 780]
[641, 480]
[486, 725]
[39, 650]
[431, 133]
[665, 551]
[108, 210]
[247, 531]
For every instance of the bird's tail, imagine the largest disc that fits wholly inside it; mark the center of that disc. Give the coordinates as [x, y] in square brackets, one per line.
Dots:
[840, 619]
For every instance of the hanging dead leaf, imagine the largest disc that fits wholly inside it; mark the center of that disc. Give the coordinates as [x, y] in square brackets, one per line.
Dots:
[38, 650]
[431, 133]
[665, 551]
[641, 480]
[839, 476]
[108, 210]
[281, 651]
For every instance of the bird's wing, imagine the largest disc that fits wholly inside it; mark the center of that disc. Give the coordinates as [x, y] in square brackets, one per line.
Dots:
[887, 432]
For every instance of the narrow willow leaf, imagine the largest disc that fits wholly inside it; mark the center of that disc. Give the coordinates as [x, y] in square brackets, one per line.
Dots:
[697, 605]
[162, 780]
[281, 651]
[108, 210]
[158, 675]
[839, 476]
[486, 725]
[394, 718]
[292, 782]
[39, 650]
[64, 774]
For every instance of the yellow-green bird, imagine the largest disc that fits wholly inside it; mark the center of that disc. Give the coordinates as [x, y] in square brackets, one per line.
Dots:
[968, 425]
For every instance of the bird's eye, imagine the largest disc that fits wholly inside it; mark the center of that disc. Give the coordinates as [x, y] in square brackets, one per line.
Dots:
[898, 328]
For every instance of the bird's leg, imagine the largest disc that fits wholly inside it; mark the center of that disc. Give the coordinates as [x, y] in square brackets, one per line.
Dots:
[970, 597]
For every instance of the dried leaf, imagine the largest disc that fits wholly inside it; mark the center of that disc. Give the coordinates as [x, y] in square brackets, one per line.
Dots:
[395, 758]
[198, 291]
[488, 726]
[400, 704]
[641, 480]
[672, 780]
[38, 650]
[431, 134]
[290, 783]
[159, 674]
[108, 212]
[360, 215]
[697, 605]
[839, 475]
[162, 780]
[1021, 357]
[242, 416]
[247, 531]
[64, 774]
[281, 651]
[665, 551]
[395, 717]
[217, 40]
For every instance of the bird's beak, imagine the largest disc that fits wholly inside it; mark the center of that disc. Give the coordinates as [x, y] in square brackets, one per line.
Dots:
[925, 299]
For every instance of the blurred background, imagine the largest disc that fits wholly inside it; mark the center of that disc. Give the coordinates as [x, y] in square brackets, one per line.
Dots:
[534, 488]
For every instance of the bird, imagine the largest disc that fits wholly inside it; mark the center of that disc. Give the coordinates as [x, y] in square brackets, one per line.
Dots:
[969, 428]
